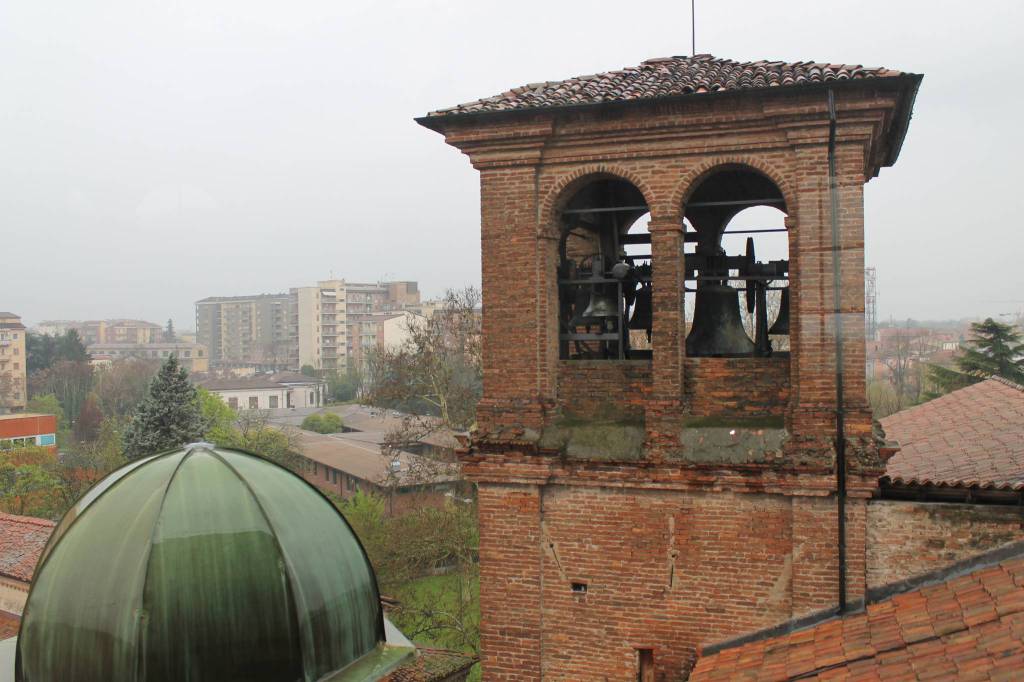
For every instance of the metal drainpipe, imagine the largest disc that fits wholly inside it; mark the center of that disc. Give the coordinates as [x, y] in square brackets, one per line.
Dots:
[838, 322]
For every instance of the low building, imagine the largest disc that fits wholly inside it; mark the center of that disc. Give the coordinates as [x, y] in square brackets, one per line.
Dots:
[22, 539]
[344, 466]
[27, 429]
[13, 387]
[192, 356]
[116, 330]
[275, 391]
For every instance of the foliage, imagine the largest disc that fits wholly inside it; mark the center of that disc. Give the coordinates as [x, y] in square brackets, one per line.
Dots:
[883, 399]
[308, 370]
[29, 484]
[87, 426]
[994, 349]
[344, 387]
[44, 350]
[85, 462]
[47, 404]
[437, 370]
[247, 431]
[169, 336]
[69, 380]
[121, 386]
[323, 422]
[169, 416]
[427, 559]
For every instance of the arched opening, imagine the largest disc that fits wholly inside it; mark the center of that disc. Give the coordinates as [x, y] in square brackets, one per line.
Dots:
[604, 273]
[737, 266]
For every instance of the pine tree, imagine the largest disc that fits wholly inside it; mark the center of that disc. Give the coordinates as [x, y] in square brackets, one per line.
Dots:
[169, 335]
[995, 349]
[169, 416]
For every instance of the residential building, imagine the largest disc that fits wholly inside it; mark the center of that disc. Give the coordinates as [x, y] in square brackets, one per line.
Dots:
[193, 356]
[26, 429]
[370, 331]
[22, 539]
[308, 326]
[105, 331]
[246, 330]
[13, 386]
[271, 391]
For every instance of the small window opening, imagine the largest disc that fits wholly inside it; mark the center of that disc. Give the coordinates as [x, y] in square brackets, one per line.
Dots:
[579, 588]
[645, 665]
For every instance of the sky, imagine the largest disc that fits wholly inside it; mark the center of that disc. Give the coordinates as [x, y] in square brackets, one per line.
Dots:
[154, 153]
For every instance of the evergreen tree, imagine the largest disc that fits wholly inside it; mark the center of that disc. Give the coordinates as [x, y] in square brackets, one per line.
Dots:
[995, 349]
[169, 416]
[169, 335]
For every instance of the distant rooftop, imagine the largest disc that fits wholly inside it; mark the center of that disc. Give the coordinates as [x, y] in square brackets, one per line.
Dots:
[228, 299]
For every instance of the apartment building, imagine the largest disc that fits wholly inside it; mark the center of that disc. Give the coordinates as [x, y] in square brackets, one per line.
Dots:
[246, 330]
[13, 391]
[370, 331]
[307, 326]
[105, 331]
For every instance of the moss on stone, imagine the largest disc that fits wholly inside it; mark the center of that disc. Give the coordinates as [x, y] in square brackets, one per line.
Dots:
[595, 439]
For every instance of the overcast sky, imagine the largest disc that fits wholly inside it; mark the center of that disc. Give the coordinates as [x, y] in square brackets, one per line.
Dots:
[153, 153]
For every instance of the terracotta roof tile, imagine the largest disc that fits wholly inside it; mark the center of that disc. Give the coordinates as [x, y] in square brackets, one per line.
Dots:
[972, 437]
[667, 77]
[968, 626]
[433, 665]
[9, 625]
[22, 539]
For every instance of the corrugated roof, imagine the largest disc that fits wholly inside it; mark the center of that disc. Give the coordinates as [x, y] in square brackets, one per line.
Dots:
[668, 77]
[972, 437]
[966, 627]
[22, 539]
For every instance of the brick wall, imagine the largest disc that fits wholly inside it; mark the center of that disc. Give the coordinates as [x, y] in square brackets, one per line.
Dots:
[602, 389]
[910, 538]
[737, 387]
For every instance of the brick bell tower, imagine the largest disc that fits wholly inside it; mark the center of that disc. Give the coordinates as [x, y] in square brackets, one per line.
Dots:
[658, 450]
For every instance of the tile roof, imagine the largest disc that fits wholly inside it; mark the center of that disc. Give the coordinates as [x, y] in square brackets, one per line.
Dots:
[433, 665]
[972, 437]
[9, 625]
[667, 77]
[966, 627]
[22, 539]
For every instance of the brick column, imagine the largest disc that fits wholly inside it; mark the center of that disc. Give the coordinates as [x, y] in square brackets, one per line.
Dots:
[510, 584]
[811, 418]
[664, 407]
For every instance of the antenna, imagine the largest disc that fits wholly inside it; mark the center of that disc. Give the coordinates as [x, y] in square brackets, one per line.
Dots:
[693, 27]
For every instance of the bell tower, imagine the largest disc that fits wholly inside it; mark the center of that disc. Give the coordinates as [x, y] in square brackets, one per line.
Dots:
[674, 445]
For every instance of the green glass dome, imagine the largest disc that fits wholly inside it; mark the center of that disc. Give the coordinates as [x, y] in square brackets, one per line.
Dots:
[203, 564]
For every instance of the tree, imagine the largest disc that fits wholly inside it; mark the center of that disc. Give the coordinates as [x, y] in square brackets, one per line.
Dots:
[69, 380]
[169, 416]
[43, 350]
[324, 422]
[249, 431]
[85, 462]
[87, 426]
[344, 387]
[29, 484]
[437, 370]
[121, 386]
[48, 404]
[169, 335]
[994, 349]
[308, 370]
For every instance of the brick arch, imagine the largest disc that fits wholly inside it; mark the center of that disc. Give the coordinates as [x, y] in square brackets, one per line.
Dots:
[692, 179]
[563, 186]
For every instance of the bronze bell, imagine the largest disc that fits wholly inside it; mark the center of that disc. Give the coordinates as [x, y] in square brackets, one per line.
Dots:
[781, 325]
[717, 330]
[642, 316]
[601, 305]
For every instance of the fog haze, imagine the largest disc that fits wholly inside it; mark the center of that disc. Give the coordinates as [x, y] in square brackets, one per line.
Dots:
[152, 154]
